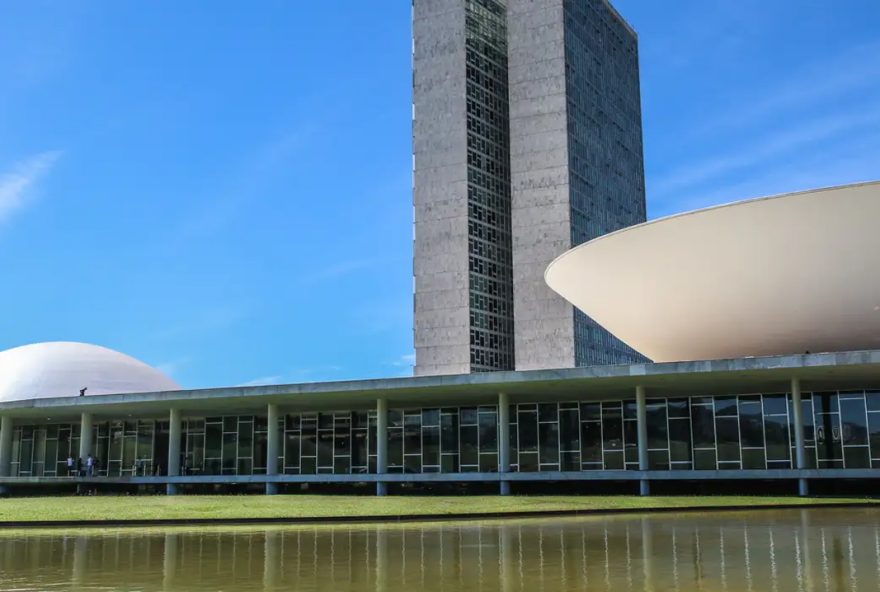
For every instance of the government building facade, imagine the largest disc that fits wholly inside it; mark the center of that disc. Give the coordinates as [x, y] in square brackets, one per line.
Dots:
[762, 317]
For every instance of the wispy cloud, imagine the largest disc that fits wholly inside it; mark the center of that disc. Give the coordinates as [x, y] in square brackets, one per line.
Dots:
[337, 270]
[207, 320]
[17, 184]
[246, 184]
[172, 368]
[405, 360]
[845, 74]
[296, 375]
[758, 140]
[405, 364]
[853, 161]
[263, 380]
[770, 146]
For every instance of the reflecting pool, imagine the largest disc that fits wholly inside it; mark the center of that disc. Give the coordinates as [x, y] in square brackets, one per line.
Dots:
[777, 551]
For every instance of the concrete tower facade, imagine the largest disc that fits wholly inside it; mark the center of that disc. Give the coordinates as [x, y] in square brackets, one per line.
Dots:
[526, 141]
[576, 164]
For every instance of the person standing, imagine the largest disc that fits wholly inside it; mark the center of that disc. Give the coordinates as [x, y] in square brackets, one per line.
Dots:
[70, 465]
[79, 466]
[90, 465]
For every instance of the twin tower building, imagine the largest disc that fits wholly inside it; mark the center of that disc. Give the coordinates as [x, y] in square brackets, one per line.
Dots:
[527, 141]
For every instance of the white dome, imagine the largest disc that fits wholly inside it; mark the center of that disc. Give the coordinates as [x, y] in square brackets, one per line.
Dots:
[61, 369]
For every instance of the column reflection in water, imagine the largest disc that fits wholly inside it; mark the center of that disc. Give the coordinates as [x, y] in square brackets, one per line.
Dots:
[778, 551]
[169, 561]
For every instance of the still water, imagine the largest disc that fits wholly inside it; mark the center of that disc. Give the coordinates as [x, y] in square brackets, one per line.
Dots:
[778, 551]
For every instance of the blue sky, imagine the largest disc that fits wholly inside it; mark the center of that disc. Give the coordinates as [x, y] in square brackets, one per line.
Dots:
[224, 192]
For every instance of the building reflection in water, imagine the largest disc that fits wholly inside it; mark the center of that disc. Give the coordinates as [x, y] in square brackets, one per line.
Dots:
[779, 551]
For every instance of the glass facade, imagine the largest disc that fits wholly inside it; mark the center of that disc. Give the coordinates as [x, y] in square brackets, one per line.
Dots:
[606, 170]
[749, 431]
[490, 269]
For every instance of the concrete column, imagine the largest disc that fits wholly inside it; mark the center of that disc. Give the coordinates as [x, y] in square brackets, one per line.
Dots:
[504, 440]
[85, 437]
[642, 424]
[272, 444]
[174, 428]
[798, 416]
[5, 445]
[381, 444]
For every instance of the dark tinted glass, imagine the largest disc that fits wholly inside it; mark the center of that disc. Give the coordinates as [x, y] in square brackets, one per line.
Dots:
[854, 421]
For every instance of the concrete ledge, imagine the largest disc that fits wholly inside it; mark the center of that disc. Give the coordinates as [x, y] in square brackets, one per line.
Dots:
[403, 518]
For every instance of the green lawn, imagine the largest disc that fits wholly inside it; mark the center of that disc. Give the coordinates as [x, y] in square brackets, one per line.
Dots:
[301, 506]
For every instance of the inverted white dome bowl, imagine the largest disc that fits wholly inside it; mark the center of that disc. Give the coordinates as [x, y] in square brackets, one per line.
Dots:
[61, 369]
[779, 275]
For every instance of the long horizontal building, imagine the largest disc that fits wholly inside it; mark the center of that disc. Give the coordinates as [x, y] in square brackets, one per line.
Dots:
[788, 417]
[687, 421]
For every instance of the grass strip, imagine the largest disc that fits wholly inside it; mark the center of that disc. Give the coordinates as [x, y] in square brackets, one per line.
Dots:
[230, 507]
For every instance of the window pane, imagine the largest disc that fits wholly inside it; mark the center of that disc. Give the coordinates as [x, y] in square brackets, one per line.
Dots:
[703, 426]
[776, 433]
[658, 460]
[856, 457]
[245, 440]
[631, 441]
[725, 406]
[449, 463]
[775, 405]
[431, 446]
[469, 445]
[569, 430]
[430, 417]
[342, 443]
[213, 440]
[704, 460]
[591, 441]
[412, 439]
[825, 402]
[728, 438]
[547, 412]
[612, 433]
[549, 449]
[291, 450]
[229, 453]
[528, 462]
[613, 461]
[468, 415]
[854, 423]
[449, 432]
[658, 435]
[527, 423]
[874, 429]
[359, 448]
[325, 448]
[680, 439]
[395, 447]
[809, 425]
[678, 408]
[571, 461]
[750, 424]
[828, 437]
[590, 411]
[488, 432]
[754, 459]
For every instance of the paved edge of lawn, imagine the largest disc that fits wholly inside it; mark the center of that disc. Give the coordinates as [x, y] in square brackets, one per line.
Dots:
[402, 518]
